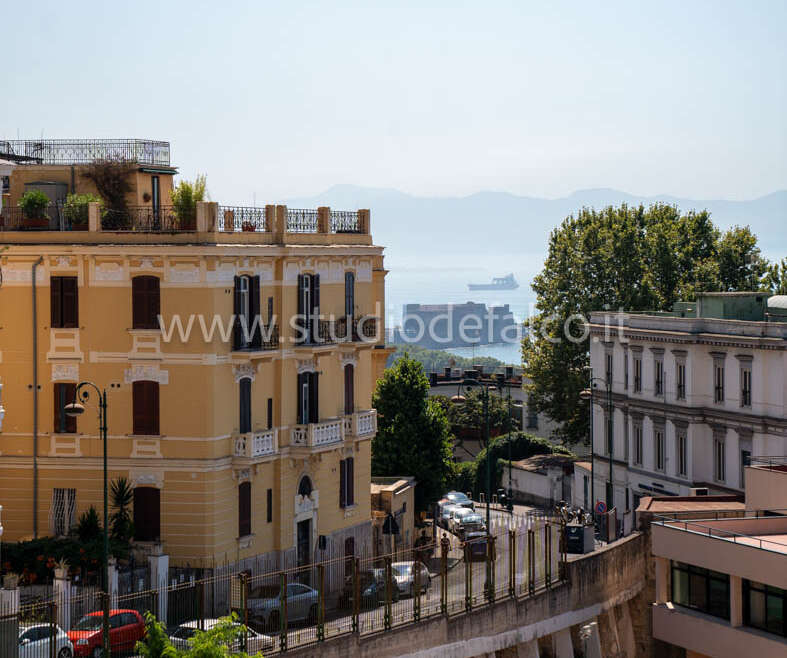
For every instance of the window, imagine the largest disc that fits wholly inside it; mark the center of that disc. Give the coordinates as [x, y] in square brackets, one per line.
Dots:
[764, 607]
[682, 452]
[638, 444]
[346, 482]
[658, 384]
[658, 444]
[680, 390]
[270, 413]
[625, 371]
[305, 487]
[718, 459]
[609, 368]
[62, 515]
[349, 389]
[637, 374]
[746, 386]
[145, 302]
[625, 438]
[349, 294]
[147, 514]
[156, 195]
[269, 505]
[701, 589]
[532, 418]
[64, 394]
[745, 461]
[247, 332]
[146, 408]
[628, 499]
[244, 422]
[64, 302]
[610, 437]
[308, 307]
[308, 403]
[244, 509]
[718, 383]
[585, 492]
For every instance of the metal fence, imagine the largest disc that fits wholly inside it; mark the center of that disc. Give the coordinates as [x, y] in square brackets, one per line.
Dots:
[306, 604]
[242, 218]
[147, 219]
[84, 151]
[345, 221]
[301, 221]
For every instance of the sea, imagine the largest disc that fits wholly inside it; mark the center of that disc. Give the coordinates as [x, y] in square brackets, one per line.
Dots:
[448, 285]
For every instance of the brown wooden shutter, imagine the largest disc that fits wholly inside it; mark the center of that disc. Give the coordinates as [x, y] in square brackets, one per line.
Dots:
[270, 505]
[342, 482]
[349, 389]
[69, 302]
[350, 477]
[244, 509]
[237, 335]
[255, 320]
[64, 394]
[145, 302]
[314, 402]
[146, 408]
[55, 299]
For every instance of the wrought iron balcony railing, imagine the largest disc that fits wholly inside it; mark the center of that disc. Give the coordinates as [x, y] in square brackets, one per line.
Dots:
[84, 151]
[147, 219]
[336, 330]
[301, 221]
[345, 221]
[242, 218]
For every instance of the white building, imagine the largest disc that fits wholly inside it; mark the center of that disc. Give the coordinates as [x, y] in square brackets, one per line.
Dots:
[694, 393]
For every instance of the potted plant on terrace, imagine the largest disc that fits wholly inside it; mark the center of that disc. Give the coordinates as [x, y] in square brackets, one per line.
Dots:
[75, 210]
[34, 204]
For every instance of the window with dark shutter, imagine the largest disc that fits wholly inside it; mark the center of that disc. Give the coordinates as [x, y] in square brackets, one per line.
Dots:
[349, 389]
[145, 302]
[254, 319]
[314, 403]
[245, 406]
[64, 299]
[64, 394]
[146, 408]
[350, 481]
[349, 294]
[270, 413]
[269, 505]
[244, 509]
[147, 514]
[342, 483]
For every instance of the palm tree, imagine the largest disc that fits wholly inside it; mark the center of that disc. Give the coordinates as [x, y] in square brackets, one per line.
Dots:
[120, 524]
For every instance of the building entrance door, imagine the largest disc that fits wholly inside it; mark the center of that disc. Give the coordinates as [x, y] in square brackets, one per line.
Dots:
[304, 530]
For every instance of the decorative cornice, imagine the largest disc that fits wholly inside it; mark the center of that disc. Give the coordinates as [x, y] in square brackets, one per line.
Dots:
[244, 371]
[146, 373]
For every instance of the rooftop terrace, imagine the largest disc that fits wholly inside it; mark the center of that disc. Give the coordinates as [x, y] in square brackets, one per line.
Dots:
[83, 151]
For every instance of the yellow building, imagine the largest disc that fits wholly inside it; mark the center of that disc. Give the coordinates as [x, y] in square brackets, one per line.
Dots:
[240, 440]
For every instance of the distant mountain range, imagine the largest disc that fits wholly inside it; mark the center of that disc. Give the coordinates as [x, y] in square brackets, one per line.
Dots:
[499, 228]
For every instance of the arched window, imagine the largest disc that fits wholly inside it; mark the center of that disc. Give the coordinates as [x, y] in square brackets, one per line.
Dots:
[305, 486]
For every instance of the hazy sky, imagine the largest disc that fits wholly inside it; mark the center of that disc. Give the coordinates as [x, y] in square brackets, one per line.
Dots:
[537, 98]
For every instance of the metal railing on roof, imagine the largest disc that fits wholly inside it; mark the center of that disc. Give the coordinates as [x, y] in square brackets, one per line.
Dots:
[701, 527]
[773, 463]
[84, 151]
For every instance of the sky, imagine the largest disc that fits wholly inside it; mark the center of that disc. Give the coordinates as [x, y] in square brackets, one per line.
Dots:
[274, 100]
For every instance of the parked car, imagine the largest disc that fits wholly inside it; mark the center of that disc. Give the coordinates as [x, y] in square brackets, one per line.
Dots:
[476, 545]
[255, 642]
[404, 575]
[458, 498]
[34, 642]
[464, 520]
[264, 604]
[444, 508]
[126, 627]
[371, 585]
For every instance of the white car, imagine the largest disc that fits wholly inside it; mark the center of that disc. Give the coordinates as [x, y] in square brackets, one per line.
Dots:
[34, 642]
[403, 573]
[255, 642]
[264, 605]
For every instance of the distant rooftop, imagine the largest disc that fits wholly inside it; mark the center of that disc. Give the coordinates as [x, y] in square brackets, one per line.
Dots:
[84, 151]
[677, 504]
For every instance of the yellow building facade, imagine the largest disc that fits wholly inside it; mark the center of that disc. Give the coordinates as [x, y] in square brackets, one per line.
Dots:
[239, 442]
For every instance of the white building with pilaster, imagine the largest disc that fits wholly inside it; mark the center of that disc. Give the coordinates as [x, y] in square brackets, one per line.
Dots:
[693, 394]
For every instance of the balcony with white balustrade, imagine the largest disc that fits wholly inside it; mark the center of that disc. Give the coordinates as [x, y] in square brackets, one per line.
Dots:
[257, 445]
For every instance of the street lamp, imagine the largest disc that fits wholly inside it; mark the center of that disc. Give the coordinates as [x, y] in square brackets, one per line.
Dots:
[587, 394]
[460, 399]
[77, 408]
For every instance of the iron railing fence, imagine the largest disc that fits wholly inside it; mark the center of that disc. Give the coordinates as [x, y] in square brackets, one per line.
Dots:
[305, 604]
[242, 218]
[301, 221]
[147, 219]
[774, 463]
[345, 221]
[336, 330]
[84, 151]
[51, 218]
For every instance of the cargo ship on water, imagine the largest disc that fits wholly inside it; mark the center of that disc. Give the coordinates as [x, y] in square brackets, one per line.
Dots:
[507, 282]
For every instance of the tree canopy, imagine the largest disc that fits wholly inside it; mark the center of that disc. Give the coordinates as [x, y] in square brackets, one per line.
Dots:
[413, 436]
[629, 258]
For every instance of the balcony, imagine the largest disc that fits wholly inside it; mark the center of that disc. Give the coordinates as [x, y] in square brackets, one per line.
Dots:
[329, 332]
[253, 445]
[361, 423]
[317, 435]
[84, 151]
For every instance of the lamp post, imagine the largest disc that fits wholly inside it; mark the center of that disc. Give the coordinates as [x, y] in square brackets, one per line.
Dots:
[587, 394]
[77, 408]
[460, 399]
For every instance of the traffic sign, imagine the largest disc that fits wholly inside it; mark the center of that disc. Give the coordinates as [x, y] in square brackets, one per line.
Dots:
[601, 507]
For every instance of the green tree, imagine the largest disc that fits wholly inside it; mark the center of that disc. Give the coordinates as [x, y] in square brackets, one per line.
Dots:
[121, 526]
[775, 279]
[156, 643]
[436, 360]
[413, 436]
[467, 419]
[620, 258]
[185, 197]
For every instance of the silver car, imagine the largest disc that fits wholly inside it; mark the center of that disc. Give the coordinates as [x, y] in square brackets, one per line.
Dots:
[404, 575]
[34, 642]
[459, 498]
[255, 642]
[264, 605]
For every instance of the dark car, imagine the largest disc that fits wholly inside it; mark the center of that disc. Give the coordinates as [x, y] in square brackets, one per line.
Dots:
[371, 585]
[475, 544]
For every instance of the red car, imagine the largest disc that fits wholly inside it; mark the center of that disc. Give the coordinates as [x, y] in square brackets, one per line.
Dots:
[125, 628]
